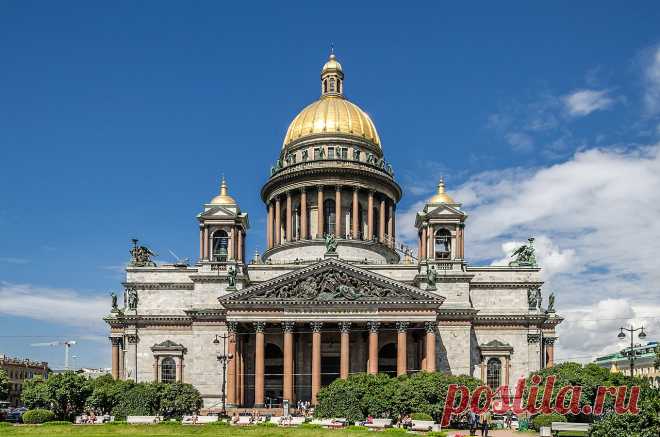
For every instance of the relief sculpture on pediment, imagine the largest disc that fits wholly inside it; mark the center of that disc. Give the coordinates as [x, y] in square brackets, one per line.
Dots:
[330, 285]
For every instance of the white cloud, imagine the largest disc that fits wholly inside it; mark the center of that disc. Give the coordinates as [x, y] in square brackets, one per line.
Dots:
[595, 219]
[13, 260]
[67, 307]
[652, 82]
[584, 102]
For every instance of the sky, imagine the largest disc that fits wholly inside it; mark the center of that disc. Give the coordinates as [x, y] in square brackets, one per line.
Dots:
[117, 120]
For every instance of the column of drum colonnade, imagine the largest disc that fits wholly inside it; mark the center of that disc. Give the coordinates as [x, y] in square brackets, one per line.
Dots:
[385, 205]
[236, 377]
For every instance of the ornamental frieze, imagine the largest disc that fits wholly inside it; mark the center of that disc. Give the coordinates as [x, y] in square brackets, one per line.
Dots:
[332, 285]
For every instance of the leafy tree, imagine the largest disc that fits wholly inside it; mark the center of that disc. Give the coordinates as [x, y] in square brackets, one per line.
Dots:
[4, 385]
[140, 400]
[35, 393]
[106, 393]
[657, 357]
[68, 392]
[178, 399]
[339, 399]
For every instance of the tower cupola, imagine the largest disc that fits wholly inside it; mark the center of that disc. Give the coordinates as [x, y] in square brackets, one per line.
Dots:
[332, 78]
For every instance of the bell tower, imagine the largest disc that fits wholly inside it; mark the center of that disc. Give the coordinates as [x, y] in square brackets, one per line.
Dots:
[441, 229]
[222, 230]
[332, 77]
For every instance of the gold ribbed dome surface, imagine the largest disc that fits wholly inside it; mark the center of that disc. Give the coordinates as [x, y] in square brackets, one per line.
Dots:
[332, 115]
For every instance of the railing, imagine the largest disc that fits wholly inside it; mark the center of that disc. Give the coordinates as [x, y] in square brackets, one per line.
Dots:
[385, 168]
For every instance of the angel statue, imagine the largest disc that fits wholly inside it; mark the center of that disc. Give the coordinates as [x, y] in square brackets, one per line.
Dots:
[141, 255]
[231, 276]
[551, 303]
[524, 256]
[431, 277]
[330, 243]
[113, 296]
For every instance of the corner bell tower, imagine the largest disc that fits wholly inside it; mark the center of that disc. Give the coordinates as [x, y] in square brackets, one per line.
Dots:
[222, 230]
[440, 227]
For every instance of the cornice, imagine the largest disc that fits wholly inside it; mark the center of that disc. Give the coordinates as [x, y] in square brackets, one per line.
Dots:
[159, 285]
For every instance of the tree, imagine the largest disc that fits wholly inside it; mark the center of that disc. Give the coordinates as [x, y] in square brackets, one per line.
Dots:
[657, 357]
[140, 400]
[4, 385]
[35, 393]
[106, 393]
[68, 392]
[178, 400]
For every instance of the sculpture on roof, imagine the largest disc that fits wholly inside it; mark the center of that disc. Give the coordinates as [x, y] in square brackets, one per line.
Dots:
[524, 256]
[141, 255]
[330, 243]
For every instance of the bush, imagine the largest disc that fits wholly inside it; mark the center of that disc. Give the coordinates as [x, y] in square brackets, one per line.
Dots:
[139, 400]
[178, 400]
[38, 415]
[421, 416]
[546, 420]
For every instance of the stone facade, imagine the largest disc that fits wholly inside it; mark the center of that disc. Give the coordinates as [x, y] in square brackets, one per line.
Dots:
[334, 293]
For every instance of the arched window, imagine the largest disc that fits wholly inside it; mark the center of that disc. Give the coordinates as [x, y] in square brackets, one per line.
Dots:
[330, 216]
[220, 243]
[332, 85]
[442, 244]
[325, 86]
[168, 370]
[494, 373]
[338, 86]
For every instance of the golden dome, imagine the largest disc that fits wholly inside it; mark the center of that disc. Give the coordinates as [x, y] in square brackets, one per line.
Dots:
[332, 114]
[223, 198]
[441, 196]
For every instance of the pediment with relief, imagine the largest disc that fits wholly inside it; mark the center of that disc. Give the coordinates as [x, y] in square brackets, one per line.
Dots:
[331, 281]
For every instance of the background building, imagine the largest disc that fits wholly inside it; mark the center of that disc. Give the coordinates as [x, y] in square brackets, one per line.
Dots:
[645, 357]
[335, 292]
[18, 370]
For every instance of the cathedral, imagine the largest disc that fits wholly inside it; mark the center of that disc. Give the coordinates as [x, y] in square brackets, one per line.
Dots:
[334, 293]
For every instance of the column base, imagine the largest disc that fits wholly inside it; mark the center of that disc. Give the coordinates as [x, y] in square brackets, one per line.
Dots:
[259, 405]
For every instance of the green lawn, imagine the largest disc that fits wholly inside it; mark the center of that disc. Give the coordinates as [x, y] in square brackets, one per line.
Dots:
[172, 430]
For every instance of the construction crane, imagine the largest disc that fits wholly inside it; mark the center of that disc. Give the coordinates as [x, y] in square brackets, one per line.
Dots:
[67, 346]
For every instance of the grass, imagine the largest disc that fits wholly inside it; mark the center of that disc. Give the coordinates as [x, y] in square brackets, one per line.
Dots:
[164, 430]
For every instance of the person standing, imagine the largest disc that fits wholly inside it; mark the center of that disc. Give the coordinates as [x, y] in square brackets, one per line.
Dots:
[473, 420]
[485, 423]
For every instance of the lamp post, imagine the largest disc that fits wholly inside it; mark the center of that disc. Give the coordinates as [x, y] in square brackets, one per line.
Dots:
[223, 360]
[631, 356]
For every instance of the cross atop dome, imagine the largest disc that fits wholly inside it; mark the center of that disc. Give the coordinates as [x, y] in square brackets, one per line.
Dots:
[332, 77]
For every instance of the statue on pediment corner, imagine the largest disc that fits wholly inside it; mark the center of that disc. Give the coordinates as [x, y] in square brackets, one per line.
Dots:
[231, 276]
[141, 255]
[431, 277]
[330, 243]
[551, 303]
[525, 255]
[113, 297]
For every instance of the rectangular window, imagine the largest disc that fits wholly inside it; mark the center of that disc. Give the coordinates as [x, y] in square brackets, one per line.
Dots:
[356, 154]
[343, 153]
[317, 153]
[331, 153]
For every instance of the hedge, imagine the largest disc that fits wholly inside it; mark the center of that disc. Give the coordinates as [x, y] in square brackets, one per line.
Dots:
[546, 420]
[38, 415]
[421, 416]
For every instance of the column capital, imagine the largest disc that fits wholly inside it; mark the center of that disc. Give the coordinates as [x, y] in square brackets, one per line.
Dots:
[316, 326]
[402, 326]
[430, 327]
[288, 327]
[259, 326]
[320, 187]
[338, 187]
[356, 188]
[116, 341]
[345, 327]
[303, 189]
[232, 327]
[132, 339]
[288, 193]
[373, 326]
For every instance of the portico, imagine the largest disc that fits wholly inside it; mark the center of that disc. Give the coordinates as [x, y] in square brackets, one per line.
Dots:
[324, 322]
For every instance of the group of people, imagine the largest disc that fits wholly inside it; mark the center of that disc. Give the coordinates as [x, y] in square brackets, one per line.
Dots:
[481, 422]
[305, 408]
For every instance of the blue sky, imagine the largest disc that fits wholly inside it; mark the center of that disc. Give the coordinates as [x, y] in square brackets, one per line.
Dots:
[117, 121]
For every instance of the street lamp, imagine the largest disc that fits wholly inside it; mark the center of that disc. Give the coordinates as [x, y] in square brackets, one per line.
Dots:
[631, 355]
[223, 360]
